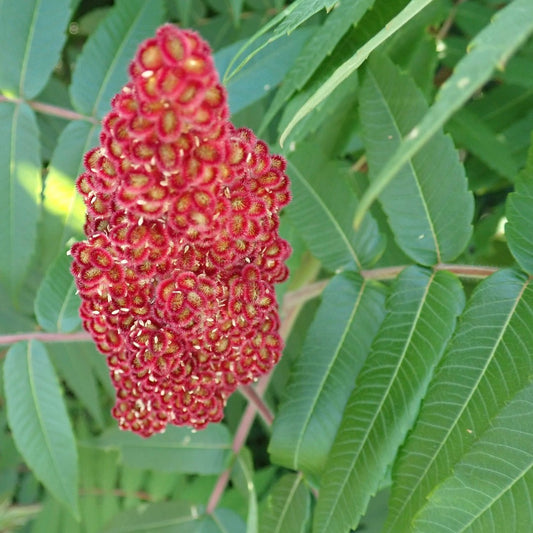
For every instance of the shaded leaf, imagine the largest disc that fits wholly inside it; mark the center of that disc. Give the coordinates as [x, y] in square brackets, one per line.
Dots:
[322, 209]
[242, 477]
[519, 228]
[471, 132]
[423, 307]
[428, 204]
[334, 350]
[236, 10]
[288, 506]
[32, 34]
[102, 67]
[262, 73]
[352, 64]
[38, 420]
[56, 303]
[175, 517]
[20, 186]
[318, 47]
[488, 363]
[179, 449]
[491, 48]
[64, 211]
[167, 517]
[73, 363]
[284, 23]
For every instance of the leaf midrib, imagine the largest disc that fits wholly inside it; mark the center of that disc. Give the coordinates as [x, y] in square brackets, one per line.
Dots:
[385, 395]
[40, 419]
[27, 50]
[327, 373]
[410, 165]
[288, 500]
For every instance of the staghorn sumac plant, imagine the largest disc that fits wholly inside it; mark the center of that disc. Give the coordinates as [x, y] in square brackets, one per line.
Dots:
[143, 384]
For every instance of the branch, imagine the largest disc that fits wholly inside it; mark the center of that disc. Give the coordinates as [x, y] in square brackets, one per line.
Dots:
[262, 408]
[298, 297]
[238, 442]
[79, 336]
[52, 110]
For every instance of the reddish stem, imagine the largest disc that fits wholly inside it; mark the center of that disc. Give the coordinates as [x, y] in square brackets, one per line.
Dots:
[49, 109]
[45, 337]
[262, 408]
[238, 442]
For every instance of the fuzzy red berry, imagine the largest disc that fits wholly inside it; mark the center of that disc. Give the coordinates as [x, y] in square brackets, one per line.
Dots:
[176, 275]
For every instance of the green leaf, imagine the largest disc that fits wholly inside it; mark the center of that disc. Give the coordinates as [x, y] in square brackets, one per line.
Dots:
[488, 363]
[242, 477]
[175, 517]
[236, 10]
[491, 486]
[423, 307]
[64, 211]
[73, 362]
[322, 209]
[167, 517]
[102, 67]
[288, 506]
[352, 64]
[262, 73]
[179, 449]
[471, 132]
[56, 303]
[284, 23]
[489, 50]
[519, 228]
[32, 34]
[39, 422]
[222, 521]
[318, 47]
[334, 350]
[428, 204]
[20, 186]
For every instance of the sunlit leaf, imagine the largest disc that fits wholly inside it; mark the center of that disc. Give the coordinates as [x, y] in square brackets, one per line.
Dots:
[488, 364]
[32, 34]
[38, 420]
[64, 212]
[422, 311]
[428, 205]
[20, 186]
[334, 350]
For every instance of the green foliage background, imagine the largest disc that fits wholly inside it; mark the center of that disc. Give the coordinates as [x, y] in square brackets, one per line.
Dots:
[404, 400]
